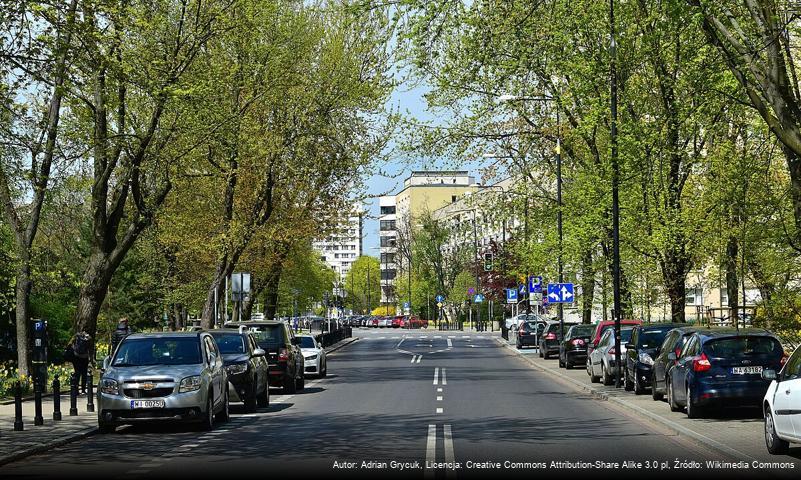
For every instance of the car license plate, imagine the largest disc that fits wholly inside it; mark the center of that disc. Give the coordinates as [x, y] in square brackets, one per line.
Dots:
[147, 404]
[746, 370]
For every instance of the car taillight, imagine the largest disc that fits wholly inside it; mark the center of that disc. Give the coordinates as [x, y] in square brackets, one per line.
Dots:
[550, 336]
[701, 363]
[283, 355]
[612, 351]
[677, 351]
[577, 342]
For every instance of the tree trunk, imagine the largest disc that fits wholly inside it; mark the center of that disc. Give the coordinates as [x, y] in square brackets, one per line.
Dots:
[94, 287]
[731, 275]
[23, 292]
[223, 270]
[587, 287]
[271, 293]
[766, 286]
[676, 290]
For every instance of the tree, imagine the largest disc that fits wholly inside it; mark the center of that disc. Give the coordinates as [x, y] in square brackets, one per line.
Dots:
[362, 285]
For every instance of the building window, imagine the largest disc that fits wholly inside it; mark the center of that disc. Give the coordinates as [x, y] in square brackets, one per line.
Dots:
[724, 296]
[388, 274]
[387, 225]
[387, 241]
[336, 255]
[387, 258]
[388, 210]
[453, 198]
[695, 296]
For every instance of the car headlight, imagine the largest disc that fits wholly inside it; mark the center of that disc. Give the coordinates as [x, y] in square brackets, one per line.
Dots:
[109, 386]
[189, 384]
[311, 357]
[236, 368]
[646, 359]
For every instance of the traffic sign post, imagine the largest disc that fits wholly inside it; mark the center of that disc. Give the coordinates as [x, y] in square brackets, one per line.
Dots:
[535, 284]
[511, 295]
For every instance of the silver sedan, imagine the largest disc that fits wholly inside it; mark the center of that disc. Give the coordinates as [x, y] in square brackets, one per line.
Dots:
[601, 362]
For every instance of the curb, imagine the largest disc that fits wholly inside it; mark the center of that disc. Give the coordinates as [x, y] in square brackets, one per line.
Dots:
[674, 427]
[343, 343]
[58, 442]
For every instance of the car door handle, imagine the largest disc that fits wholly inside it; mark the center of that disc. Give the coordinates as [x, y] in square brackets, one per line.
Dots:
[787, 391]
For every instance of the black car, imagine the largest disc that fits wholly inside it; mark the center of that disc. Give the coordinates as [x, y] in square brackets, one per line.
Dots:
[573, 349]
[646, 340]
[527, 334]
[246, 364]
[283, 353]
[551, 337]
[723, 367]
[666, 357]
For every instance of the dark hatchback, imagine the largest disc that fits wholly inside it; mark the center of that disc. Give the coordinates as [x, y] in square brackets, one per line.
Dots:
[573, 349]
[551, 338]
[723, 367]
[646, 340]
[665, 358]
[284, 357]
[246, 365]
[528, 334]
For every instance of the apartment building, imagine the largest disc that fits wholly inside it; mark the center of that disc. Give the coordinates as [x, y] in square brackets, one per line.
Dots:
[340, 249]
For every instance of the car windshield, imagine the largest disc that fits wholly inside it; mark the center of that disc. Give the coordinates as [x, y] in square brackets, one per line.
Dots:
[652, 338]
[742, 346]
[582, 331]
[307, 342]
[139, 352]
[230, 343]
[625, 335]
[270, 335]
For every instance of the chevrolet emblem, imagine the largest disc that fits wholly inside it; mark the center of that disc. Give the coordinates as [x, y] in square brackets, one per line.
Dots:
[148, 386]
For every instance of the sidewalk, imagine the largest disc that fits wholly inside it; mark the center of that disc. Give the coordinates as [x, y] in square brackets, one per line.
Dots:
[735, 433]
[35, 439]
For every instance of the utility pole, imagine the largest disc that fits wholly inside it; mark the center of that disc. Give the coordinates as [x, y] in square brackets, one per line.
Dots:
[559, 213]
[616, 313]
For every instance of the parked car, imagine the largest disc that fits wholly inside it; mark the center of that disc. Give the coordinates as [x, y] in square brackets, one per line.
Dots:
[284, 357]
[527, 333]
[514, 323]
[782, 405]
[601, 361]
[551, 337]
[666, 357]
[386, 322]
[374, 322]
[314, 360]
[417, 322]
[646, 340]
[163, 376]
[723, 367]
[605, 325]
[573, 349]
[246, 365]
[399, 321]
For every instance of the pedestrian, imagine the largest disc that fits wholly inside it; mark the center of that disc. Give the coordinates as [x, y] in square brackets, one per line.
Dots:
[122, 331]
[81, 347]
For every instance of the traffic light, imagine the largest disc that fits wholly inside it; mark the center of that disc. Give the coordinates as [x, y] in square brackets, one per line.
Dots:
[487, 262]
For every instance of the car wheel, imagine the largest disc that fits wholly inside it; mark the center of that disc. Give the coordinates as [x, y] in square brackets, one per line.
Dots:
[324, 370]
[545, 355]
[776, 446]
[568, 365]
[302, 381]
[654, 394]
[263, 399]
[674, 407]
[638, 388]
[693, 411]
[225, 413]
[593, 378]
[250, 399]
[290, 386]
[105, 428]
[627, 386]
[561, 363]
[207, 424]
[605, 374]
[519, 346]
[540, 351]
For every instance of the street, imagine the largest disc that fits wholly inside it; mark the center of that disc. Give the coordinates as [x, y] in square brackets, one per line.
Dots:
[395, 402]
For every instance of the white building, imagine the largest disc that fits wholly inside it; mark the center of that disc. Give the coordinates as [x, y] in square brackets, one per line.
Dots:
[340, 249]
[387, 231]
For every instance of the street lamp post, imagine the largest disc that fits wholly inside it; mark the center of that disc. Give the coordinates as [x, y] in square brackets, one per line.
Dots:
[615, 186]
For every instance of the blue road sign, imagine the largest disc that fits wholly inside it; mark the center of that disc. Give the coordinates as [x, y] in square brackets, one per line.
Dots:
[511, 295]
[405, 305]
[535, 284]
[471, 291]
[561, 293]
[479, 298]
[521, 289]
[440, 298]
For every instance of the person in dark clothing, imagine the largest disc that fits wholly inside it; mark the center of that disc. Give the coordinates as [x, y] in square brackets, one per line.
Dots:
[81, 348]
[122, 331]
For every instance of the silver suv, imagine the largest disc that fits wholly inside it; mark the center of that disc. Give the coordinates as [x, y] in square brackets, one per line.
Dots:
[163, 376]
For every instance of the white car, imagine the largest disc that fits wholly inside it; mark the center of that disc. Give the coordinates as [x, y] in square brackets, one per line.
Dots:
[782, 406]
[514, 323]
[601, 362]
[313, 356]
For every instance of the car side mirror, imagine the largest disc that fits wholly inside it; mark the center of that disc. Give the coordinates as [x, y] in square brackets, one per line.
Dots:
[769, 374]
[259, 352]
[106, 363]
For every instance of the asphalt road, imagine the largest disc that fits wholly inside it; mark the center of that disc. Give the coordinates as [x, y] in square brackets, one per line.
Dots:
[456, 400]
